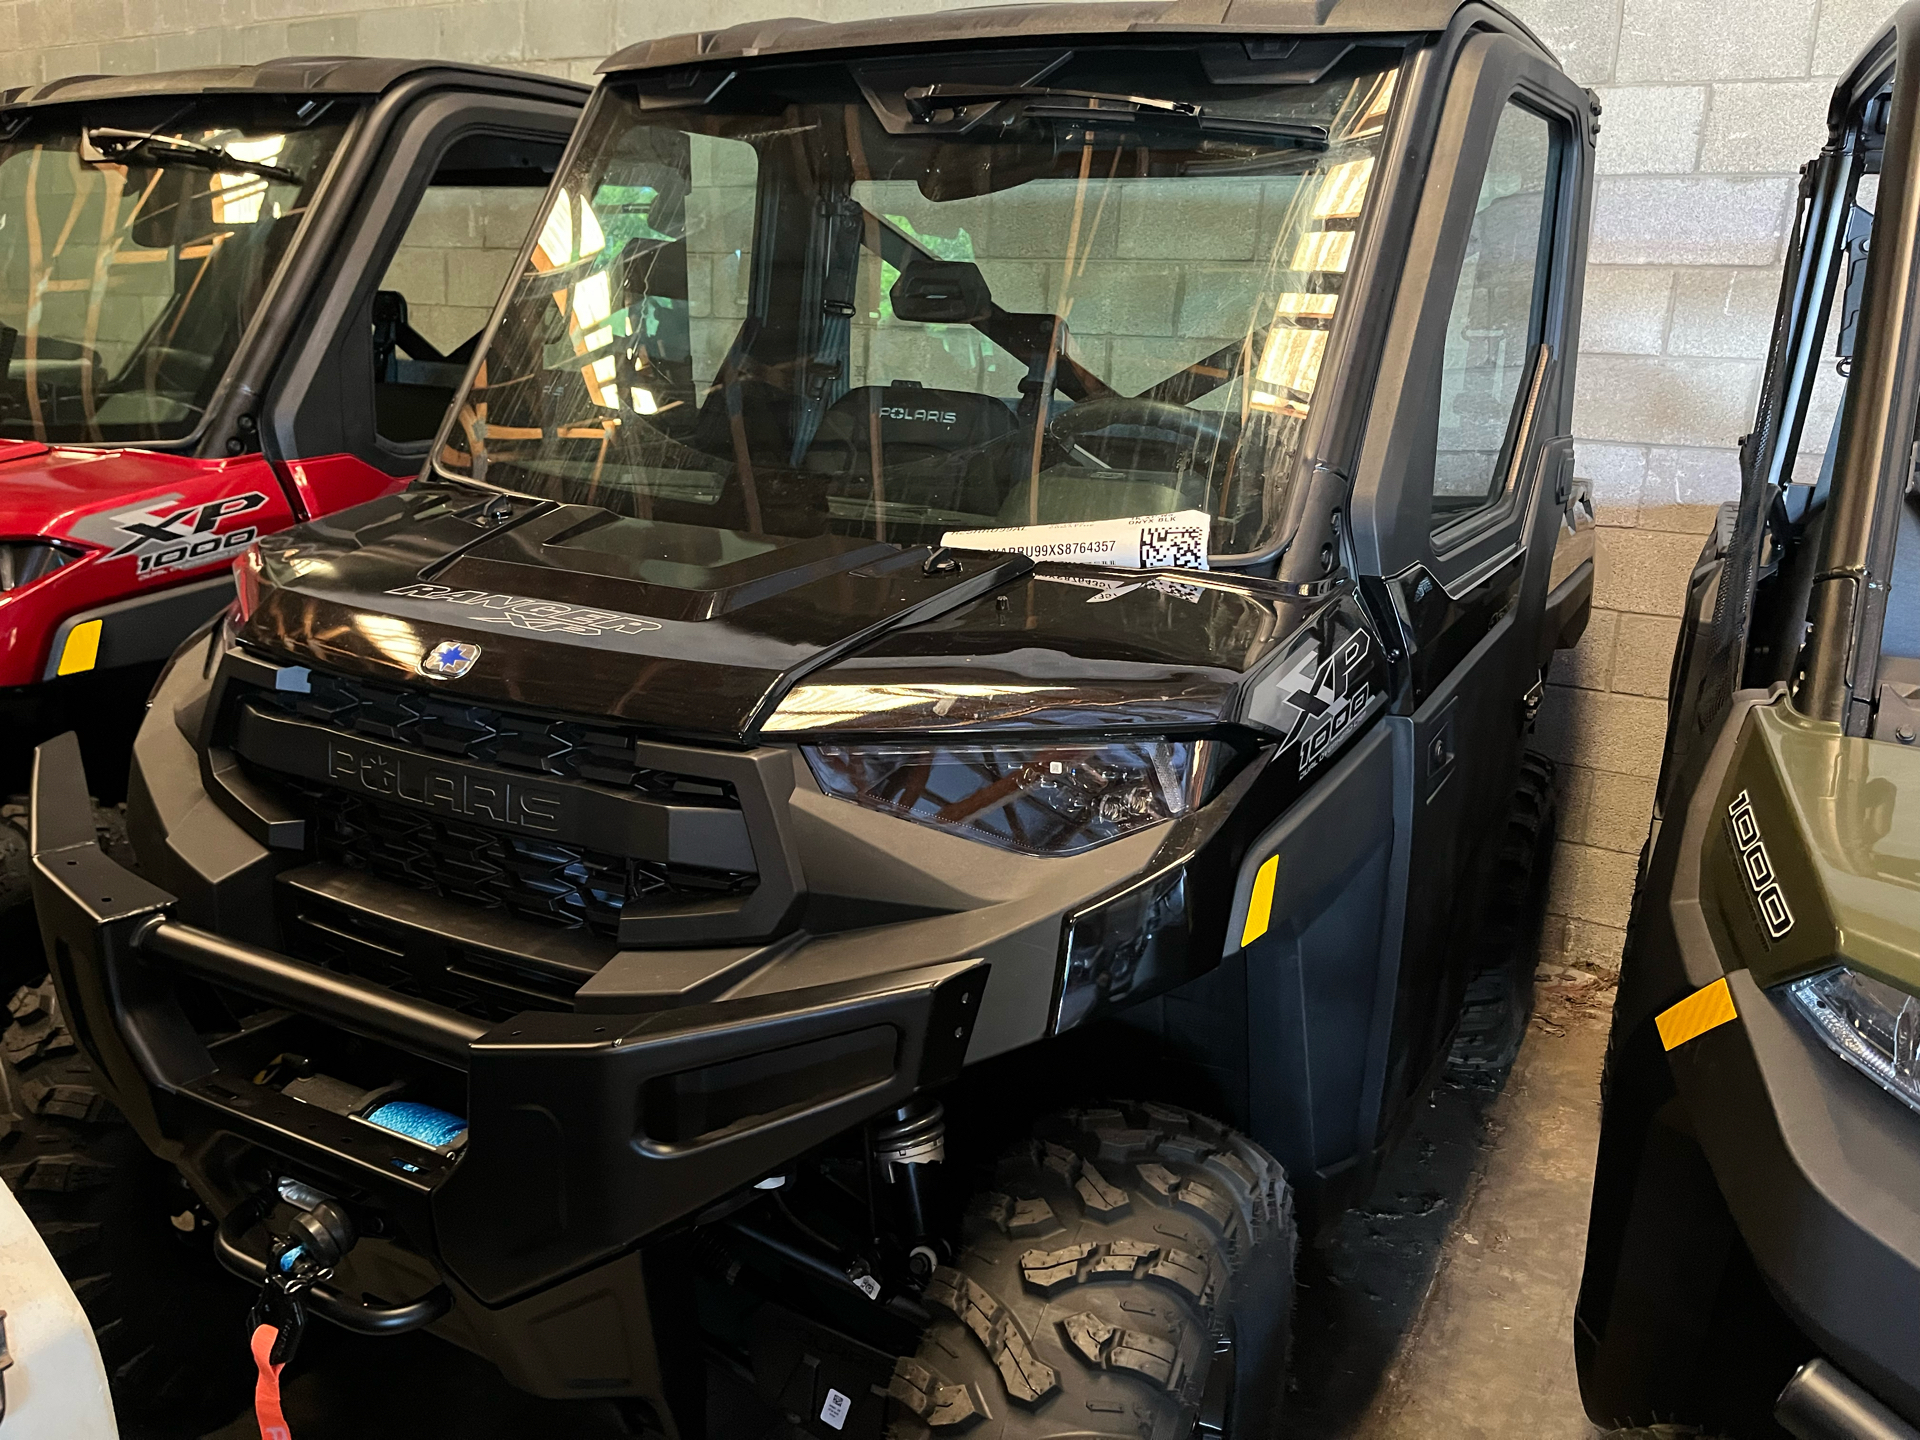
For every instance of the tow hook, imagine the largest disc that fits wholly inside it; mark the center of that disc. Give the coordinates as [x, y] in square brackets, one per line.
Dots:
[320, 1236]
[323, 1225]
[318, 1239]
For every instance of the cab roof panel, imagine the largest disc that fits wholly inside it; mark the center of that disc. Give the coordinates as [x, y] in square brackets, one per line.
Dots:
[295, 75]
[1074, 19]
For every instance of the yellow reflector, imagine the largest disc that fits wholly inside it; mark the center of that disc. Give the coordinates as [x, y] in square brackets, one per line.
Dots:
[1696, 1015]
[1260, 902]
[82, 648]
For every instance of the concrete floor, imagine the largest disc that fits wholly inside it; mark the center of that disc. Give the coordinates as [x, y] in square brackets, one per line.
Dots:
[1446, 1307]
[1443, 1309]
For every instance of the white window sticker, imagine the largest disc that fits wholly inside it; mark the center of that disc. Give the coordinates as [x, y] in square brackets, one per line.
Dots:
[1144, 542]
[834, 1412]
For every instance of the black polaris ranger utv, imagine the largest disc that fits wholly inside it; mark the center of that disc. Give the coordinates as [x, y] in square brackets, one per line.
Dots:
[1757, 1203]
[610, 897]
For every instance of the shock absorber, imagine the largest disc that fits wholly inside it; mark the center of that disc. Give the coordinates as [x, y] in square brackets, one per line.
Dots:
[905, 1145]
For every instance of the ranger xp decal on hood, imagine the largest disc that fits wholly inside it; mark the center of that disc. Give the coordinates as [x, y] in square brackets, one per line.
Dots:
[163, 535]
[483, 607]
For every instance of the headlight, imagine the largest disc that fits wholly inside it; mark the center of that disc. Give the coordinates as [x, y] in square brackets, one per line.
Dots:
[1874, 1027]
[24, 561]
[908, 707]
[1038, 800]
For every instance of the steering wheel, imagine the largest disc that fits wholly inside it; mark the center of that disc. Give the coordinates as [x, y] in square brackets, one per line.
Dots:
[1197, 428]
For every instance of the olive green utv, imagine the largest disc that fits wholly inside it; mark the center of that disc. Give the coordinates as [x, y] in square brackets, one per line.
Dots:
[1753, 1263]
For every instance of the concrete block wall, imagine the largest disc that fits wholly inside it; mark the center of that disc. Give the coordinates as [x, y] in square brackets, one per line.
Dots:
[1711, 107]
[456, 256]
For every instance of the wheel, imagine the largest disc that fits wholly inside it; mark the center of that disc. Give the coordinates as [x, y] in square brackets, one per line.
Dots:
[170, 1324]
[1193, 429]
[1674, 1324]
[1499, 999]
[20, 958]
[1130, 1273]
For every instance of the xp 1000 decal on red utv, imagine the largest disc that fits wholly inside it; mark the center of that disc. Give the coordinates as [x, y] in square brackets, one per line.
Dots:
[230, 300]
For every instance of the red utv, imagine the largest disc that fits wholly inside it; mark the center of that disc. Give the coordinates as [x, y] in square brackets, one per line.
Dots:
[231, 299]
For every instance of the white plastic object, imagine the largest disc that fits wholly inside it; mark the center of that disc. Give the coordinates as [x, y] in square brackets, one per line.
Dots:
[56, 1386]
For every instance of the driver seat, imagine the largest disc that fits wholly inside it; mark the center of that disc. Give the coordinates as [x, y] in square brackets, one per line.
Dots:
[947, 449]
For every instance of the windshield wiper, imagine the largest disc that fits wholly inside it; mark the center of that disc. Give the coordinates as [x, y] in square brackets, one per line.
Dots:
[107, 145]
[928, 102]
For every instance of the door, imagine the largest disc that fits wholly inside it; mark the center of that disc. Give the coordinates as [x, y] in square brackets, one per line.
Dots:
[1453, 515]
[391, 329]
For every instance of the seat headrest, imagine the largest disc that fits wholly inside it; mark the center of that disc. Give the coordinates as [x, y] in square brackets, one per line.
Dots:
[912, 416]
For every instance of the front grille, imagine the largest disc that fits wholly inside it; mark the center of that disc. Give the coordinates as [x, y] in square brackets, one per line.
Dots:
[481, 983]
[532, 877]
[538, 880]
[533, 744]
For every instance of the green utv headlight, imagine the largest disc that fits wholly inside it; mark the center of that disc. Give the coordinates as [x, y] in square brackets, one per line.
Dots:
[1058, 799]
[1872, 1026]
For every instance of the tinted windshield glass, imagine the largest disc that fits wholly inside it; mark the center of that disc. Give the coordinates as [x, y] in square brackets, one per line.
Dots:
[131, 260]
[834, 302]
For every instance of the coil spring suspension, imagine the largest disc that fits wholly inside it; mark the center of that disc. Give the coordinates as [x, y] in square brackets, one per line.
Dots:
[914, 1138]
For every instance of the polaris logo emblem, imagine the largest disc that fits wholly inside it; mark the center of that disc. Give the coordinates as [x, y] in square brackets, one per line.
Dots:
[471, 797]
[937, 417]
[449, 660]
[1743, 830]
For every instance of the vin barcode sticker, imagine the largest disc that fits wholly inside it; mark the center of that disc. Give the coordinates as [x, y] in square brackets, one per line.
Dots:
[834, 1412]
[1143, 542]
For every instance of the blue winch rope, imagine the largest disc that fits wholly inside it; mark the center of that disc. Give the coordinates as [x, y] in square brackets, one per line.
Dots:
[425, 1123]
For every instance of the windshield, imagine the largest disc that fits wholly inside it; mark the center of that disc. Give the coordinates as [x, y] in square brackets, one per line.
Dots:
[913, 297]
[132, 258]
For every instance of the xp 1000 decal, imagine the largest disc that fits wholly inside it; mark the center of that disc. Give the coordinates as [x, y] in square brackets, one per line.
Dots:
[164, 536]
[1328, 684]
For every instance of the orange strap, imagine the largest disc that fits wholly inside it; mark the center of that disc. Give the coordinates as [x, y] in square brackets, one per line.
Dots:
[266, 1389]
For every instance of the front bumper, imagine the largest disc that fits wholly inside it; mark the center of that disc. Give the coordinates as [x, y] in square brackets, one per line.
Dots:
[1821, 1170]
[588, 1132]
[1821, 1403]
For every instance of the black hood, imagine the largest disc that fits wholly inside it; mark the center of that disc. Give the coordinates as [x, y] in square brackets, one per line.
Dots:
[697, 632]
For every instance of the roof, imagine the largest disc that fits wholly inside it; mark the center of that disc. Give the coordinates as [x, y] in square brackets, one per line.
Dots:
[791, 35]
[294, 75]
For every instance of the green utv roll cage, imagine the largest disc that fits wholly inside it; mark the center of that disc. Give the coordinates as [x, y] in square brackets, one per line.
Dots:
[1757, 1201]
